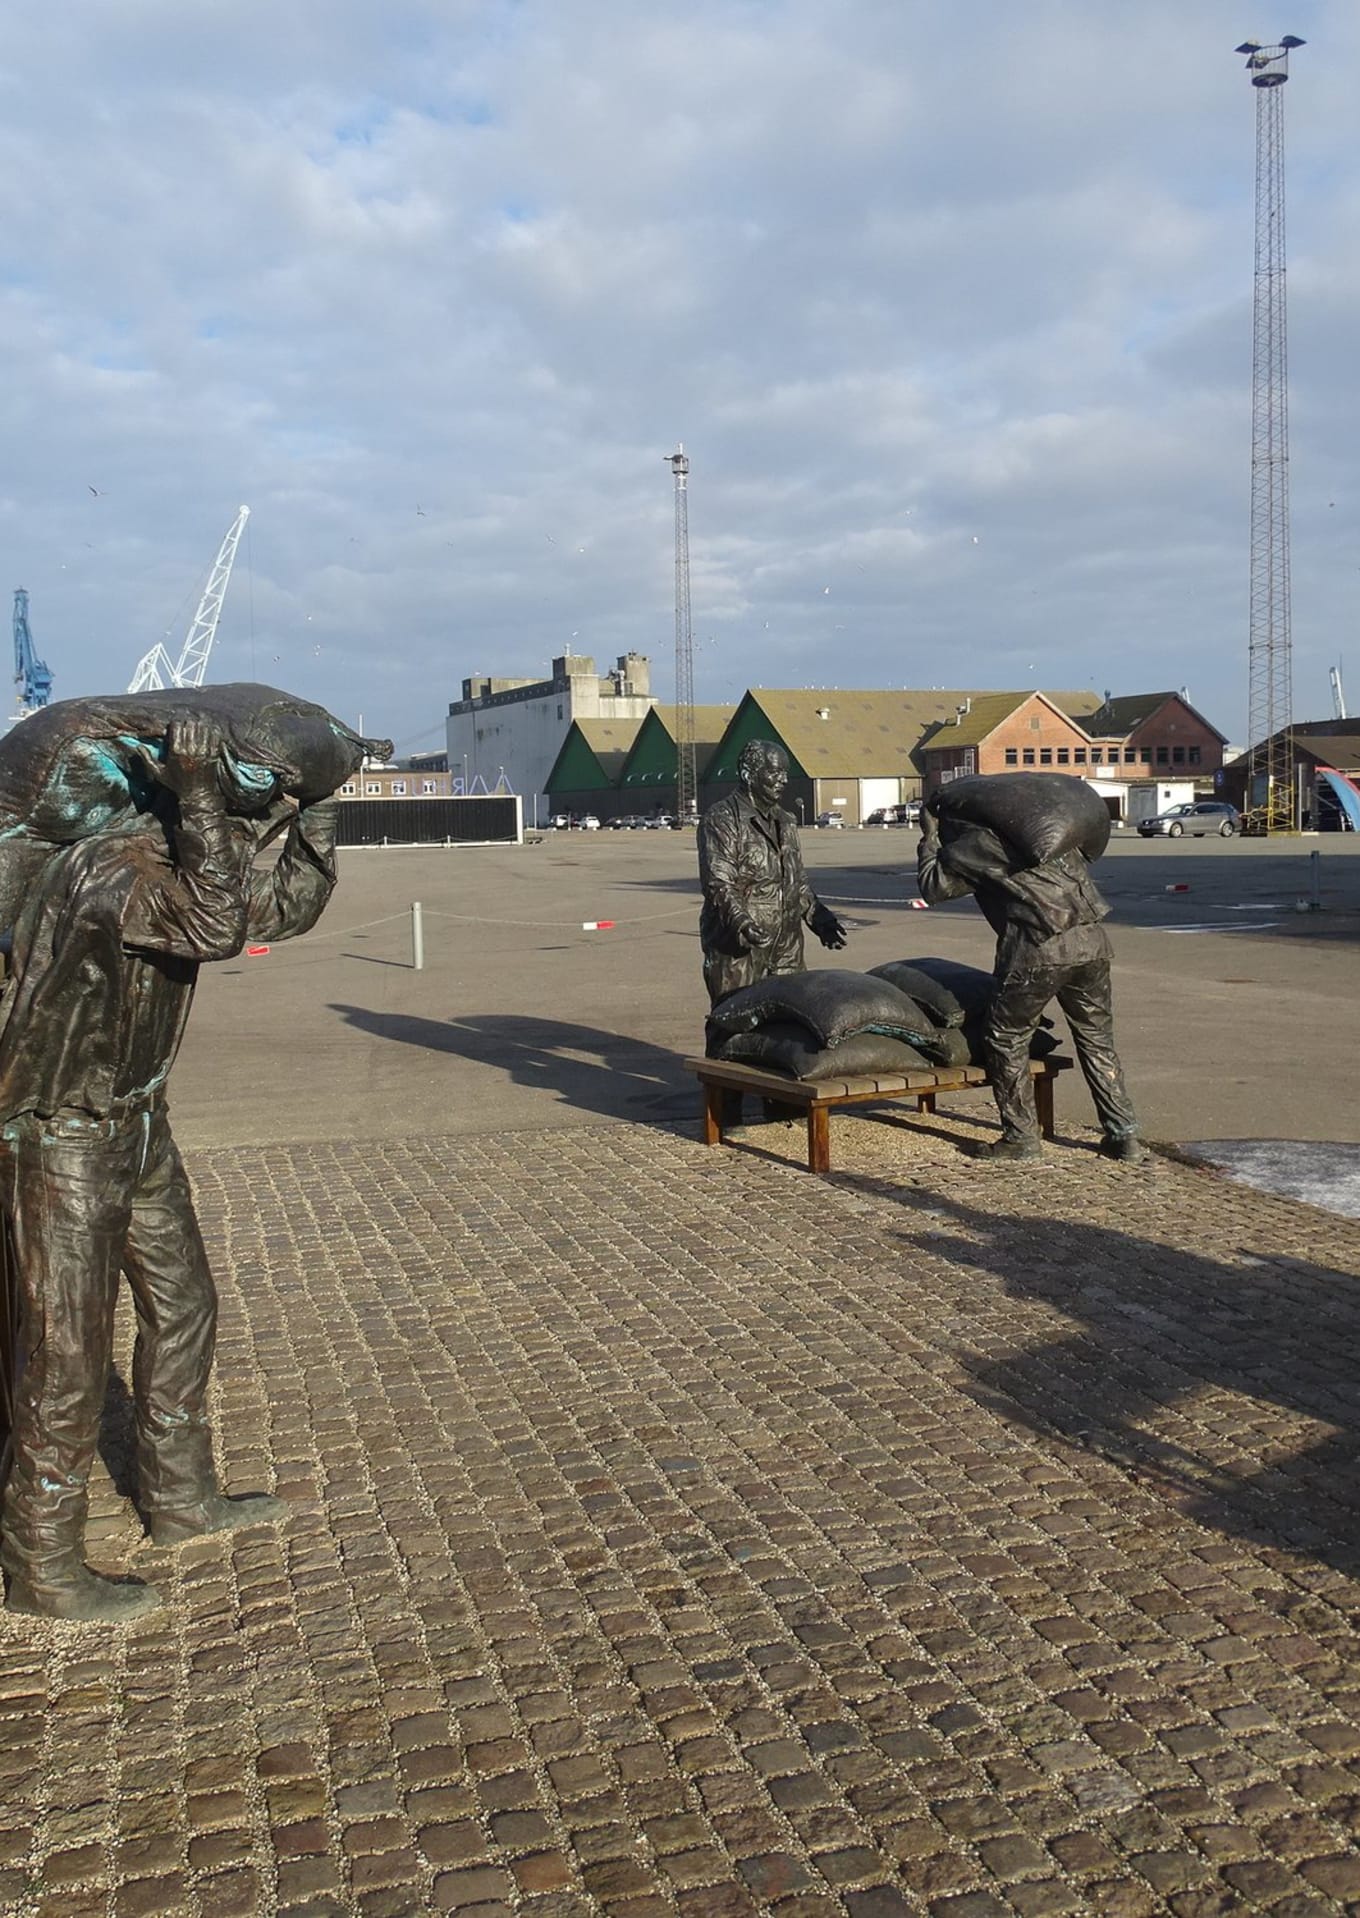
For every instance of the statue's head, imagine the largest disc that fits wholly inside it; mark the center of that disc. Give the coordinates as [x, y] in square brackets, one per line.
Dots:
[763, 771]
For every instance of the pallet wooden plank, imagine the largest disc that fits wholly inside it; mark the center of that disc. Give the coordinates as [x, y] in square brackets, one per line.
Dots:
[818, 1096]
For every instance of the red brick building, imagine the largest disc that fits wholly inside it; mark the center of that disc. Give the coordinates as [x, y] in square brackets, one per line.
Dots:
[1154, 736]
[1000, 732]
[1144, 736]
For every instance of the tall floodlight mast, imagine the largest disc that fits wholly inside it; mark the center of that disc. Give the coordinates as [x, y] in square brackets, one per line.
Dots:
[1270, 672]
[686, 769]
[156, 669]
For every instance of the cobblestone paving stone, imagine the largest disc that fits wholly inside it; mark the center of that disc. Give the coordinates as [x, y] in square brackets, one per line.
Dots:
[673, 1532]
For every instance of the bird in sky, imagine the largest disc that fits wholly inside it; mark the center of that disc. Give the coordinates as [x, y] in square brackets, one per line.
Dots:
[94, 490]
[420, 512]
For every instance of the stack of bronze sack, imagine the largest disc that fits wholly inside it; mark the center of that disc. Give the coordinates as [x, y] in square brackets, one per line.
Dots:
[832, 1024]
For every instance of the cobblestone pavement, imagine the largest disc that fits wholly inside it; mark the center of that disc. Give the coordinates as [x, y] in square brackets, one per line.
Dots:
[674, 1532]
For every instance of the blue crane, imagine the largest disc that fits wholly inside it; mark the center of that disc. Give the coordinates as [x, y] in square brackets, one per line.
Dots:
[32, 676]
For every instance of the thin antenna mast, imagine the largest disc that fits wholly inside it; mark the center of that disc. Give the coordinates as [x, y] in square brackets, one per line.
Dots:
[1270, 675]
[686, 770]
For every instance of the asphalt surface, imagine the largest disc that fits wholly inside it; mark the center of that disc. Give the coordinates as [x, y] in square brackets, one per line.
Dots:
[1237, 1015]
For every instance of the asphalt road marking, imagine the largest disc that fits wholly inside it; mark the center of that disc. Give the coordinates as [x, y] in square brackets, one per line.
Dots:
[1257, 925]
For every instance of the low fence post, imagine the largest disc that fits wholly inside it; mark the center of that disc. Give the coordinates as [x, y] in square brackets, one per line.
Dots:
[417, 937]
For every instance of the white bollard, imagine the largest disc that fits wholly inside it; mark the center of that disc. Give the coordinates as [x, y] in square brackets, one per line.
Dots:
[417, 937]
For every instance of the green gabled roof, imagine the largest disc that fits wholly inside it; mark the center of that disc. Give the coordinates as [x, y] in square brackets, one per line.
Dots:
[651, 761]
[592, 756]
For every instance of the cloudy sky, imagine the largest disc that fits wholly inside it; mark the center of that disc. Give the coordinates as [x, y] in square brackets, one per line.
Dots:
[948, 300]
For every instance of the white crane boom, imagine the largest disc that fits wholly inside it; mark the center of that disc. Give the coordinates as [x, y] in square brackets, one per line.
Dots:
[156, 670]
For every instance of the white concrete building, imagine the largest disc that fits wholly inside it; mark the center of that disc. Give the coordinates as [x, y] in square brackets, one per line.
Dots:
[511, 730]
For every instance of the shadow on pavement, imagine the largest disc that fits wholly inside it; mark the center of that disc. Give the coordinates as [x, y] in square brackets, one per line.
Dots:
[599, 1071]
[1174, 1359]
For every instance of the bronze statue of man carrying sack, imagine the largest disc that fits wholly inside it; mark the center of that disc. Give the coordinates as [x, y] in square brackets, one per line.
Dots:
[129, 830]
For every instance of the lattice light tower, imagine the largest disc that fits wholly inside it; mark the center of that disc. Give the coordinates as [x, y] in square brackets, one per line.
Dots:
[686, 768]
[1270, 672]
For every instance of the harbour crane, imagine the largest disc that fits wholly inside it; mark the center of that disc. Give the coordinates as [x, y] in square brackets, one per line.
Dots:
[156, 670]
[32, 676]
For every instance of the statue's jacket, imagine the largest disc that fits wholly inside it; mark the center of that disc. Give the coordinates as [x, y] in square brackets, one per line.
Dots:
[751, 868]
[1048, 914]
[107, 946]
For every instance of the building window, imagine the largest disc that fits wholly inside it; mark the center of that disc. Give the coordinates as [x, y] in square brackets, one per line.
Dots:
[372, 787]
[1178, 755]
[1012, 756]
[347, 790]
[1131, 755]
[1194, 755]
[1063, 756]
[1097, 755]
[1029, 755]
[399, 789]
[1045, 755]
[428, 786]
[1079, 755]
[1163, 756]
[559, 709]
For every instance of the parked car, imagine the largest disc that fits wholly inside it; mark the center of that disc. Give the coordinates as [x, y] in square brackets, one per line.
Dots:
[830, 819]
[907, 814]
[560, 821]
[880, 816]
[588, 822]
[1197, 816]
[624, 822]
[660, 822]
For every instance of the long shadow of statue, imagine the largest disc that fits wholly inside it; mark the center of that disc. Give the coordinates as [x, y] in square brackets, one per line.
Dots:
[1171, 1364]
[585, 1066]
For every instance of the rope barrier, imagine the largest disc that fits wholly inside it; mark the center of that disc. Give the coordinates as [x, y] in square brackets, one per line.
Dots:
[567, 925]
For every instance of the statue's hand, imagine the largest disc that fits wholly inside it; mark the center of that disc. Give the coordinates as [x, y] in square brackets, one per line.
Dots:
[750, 934]
[828, 928]
[192, 756]
[317, 824]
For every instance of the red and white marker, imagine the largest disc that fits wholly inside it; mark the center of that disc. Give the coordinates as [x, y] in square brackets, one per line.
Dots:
[1183, 887]
[597, 925]
[919, 905]
[257, 952]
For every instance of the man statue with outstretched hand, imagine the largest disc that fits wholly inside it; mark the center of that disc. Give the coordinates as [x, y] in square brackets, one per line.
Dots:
[1050, 944]
[106, 948]
[756, 895]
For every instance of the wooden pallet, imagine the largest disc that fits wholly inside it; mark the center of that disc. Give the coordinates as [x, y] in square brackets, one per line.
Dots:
[725, 1084]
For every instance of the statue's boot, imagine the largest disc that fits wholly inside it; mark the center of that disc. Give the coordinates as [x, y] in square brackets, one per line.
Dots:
[44, 1559]
[174, 1524]
[69, 1589]
[180, 1499]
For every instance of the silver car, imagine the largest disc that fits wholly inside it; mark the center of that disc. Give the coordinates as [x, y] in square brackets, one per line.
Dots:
[1197, 816]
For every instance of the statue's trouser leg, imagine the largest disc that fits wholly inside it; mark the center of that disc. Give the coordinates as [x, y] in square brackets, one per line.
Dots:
[726, 973]
[1012, 1021]
[67, 1190]
[1086, 1002]
[176, 1305]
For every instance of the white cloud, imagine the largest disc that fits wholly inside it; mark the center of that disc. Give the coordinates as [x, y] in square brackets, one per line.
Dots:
[951, 308]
